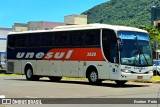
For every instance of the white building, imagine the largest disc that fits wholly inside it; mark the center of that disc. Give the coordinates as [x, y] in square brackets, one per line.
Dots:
[75, 19]
[3, 42]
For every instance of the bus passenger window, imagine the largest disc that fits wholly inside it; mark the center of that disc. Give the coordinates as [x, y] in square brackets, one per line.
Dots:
[34, 40]
[93, 37]
[12, 41]
[47, 39]
[61, 39]
[22, 40]
[76, 39]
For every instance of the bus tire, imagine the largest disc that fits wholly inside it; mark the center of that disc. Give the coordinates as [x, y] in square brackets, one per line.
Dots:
[120, 82]
[93, 77]
[156, 73]
[55, 79]
[29, 74]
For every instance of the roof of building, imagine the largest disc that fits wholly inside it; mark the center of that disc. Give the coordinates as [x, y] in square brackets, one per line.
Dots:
[49, 25]
[76, 15]
[6, 29]
[4, 32]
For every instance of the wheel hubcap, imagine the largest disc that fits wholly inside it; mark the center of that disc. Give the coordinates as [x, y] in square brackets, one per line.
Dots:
[29, 73]
[93, 76]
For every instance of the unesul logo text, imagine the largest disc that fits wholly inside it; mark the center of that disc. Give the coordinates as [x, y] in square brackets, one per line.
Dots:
[49, 55]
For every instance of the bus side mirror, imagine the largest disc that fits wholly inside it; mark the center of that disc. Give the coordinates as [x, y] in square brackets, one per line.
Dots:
[119, 40]
[120, 44]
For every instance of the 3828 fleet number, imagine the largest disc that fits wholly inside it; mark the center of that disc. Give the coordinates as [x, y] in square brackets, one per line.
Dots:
[91, 54]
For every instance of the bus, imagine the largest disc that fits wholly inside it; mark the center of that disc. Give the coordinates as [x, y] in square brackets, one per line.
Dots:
[94, 51]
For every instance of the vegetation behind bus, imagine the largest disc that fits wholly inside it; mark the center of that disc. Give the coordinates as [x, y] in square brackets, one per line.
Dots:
[154, 34]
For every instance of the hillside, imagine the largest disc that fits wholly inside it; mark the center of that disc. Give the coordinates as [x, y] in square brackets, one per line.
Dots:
[122, 12]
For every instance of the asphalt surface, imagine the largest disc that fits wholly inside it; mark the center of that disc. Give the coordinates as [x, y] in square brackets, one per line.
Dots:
[19, 87]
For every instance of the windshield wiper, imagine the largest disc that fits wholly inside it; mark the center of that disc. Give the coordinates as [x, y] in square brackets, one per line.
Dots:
[141, 52]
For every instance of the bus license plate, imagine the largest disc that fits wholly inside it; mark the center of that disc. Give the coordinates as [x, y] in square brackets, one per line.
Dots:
[139, 77]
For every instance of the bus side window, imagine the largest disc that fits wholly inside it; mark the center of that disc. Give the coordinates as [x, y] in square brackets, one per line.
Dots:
[61, 39]
[47, 39]
[76, 39]
[93, 37]
[22, 40]
[12, 41]
[34, 40]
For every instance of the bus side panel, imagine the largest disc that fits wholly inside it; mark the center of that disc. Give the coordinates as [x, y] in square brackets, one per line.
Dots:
[103, 70]
[55, 68]
[70, 68]
[17, 66]
[81, 69]
[43, 67]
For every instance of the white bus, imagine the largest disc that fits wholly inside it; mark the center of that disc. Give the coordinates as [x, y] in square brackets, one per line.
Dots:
[94, 51]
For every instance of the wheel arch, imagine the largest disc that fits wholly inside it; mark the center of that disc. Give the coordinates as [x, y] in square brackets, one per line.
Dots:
[28, 64]
[89, 68]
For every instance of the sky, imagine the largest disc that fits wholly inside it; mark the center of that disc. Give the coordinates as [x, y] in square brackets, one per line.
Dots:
[23, 11]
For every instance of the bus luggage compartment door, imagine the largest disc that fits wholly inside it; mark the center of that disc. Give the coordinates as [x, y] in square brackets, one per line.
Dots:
[70, 68]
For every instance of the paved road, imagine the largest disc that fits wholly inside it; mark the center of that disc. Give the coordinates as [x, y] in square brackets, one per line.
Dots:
[19, 87]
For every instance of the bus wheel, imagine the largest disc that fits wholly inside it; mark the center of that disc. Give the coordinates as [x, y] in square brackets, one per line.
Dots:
[120, 82]
[93, 78]
[156, 73]
[55, 79]
[29, 74]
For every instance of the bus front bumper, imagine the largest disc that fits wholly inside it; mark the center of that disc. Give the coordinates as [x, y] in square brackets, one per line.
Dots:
[130, 76]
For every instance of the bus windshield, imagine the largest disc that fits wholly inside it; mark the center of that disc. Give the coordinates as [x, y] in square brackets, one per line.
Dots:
[136, 48]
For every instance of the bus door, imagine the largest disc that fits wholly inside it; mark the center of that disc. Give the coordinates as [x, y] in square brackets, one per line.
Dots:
[114, 61]
[110, 49]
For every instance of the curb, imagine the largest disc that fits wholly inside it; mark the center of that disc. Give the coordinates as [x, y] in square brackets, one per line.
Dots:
[156, 82]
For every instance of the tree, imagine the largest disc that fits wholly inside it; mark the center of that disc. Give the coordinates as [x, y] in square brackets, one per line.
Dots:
[154, 34]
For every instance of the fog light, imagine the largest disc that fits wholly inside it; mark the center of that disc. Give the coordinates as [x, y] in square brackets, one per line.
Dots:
[126, 71]
[150, 72]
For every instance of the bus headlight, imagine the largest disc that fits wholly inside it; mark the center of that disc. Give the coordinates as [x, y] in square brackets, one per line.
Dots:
[126, 71]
